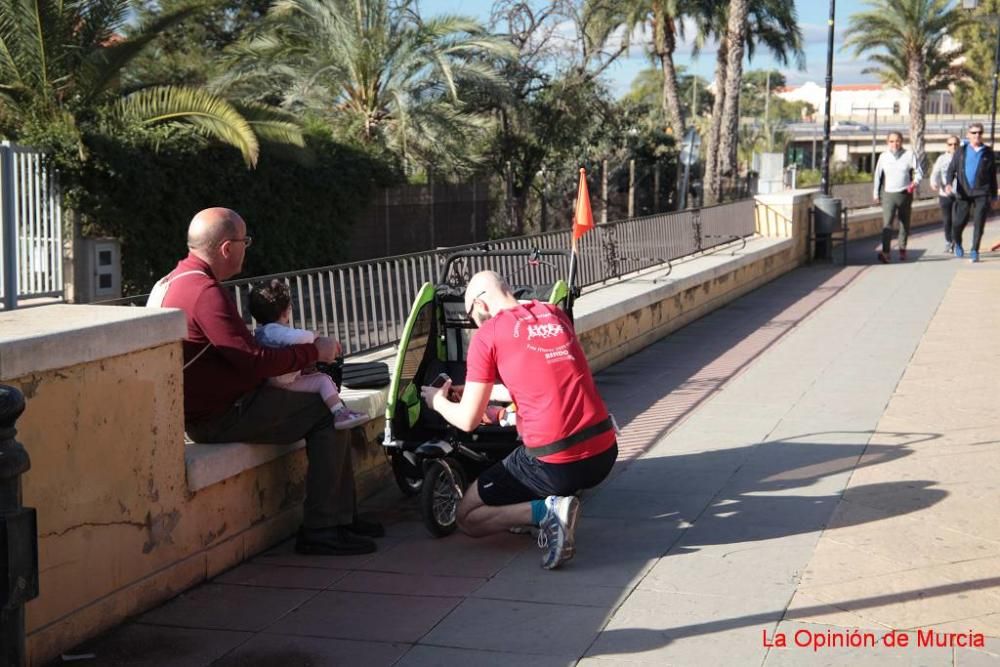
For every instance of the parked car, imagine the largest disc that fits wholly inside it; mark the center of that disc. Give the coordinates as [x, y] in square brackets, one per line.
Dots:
[850, 126]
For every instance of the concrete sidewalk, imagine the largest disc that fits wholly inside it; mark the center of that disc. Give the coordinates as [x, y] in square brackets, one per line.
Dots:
[814, 459]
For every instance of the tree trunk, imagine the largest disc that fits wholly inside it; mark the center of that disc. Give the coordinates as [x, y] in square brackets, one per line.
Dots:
[671, 98]
[918, 99]
[735, 37]
[664, 42]
[712, 183]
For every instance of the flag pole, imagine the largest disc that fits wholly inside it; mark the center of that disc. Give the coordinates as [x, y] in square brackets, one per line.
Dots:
[572, 274]
[573, 236]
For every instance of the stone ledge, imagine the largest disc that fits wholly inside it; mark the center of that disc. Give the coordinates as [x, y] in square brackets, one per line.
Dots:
[210, 464]
[614, 301]
[33, 340]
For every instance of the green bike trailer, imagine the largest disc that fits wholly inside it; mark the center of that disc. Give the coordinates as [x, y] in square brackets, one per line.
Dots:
[430, 457]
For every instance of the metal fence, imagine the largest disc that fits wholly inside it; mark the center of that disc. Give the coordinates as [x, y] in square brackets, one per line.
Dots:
[365, 304]
[31, 221]
[859, 195]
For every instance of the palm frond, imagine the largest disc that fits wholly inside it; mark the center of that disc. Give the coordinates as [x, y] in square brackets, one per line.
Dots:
[272, 125]
[103, 65]
[212, 115]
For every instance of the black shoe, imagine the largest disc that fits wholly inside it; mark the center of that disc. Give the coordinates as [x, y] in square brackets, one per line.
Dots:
[336, 541]
[365, 528]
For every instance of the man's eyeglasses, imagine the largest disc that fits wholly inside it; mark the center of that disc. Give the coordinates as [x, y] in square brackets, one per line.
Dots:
[246, 240]
[472, 305]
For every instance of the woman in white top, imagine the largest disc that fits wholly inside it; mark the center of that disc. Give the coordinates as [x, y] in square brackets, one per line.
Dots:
[938, 183]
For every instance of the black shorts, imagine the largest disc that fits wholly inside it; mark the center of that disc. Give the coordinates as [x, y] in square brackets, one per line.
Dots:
[520, 478]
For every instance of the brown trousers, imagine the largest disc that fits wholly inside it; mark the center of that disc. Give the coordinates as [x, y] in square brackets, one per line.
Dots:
[274, 416]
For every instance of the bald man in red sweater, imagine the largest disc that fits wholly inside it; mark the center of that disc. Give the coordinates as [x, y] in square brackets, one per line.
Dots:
[227, 398]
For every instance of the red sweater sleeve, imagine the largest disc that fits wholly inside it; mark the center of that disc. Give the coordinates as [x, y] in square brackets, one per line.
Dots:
[216, 315]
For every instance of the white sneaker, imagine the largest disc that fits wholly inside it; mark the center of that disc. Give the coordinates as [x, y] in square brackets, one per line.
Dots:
[557, 529]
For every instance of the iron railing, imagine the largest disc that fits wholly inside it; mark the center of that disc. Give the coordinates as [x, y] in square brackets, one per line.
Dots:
[31, 238]
[859, 195]
[365, 304]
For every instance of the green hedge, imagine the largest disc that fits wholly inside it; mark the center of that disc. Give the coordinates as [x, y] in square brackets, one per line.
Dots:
[839, 173]
[300, 216]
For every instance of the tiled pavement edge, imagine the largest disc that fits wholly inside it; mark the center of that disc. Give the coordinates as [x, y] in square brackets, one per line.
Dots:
[698, 543]
[927, 554]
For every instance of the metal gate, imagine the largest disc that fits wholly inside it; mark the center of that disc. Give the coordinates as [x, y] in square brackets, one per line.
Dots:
[31, 217]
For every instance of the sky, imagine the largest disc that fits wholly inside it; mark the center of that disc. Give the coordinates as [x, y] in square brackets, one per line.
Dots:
[812, 15]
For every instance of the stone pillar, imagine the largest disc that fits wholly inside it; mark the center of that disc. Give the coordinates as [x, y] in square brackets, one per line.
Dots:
[785, 215]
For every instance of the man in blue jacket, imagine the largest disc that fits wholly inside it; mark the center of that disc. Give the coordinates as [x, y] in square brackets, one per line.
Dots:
[973, 169]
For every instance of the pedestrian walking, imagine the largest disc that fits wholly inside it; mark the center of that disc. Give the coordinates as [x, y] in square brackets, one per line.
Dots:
[938, 183]
[973, 169]
[897, 175]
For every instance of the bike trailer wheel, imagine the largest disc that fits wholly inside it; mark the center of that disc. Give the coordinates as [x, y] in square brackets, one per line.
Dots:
[443, 485]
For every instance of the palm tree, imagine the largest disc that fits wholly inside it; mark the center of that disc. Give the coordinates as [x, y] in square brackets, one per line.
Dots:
[604, 17]
[736, 33]
[771, 23]
[375, 72]
[60, 62]
[907, 41]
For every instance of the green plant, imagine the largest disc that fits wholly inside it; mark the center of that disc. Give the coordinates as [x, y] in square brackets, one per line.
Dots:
[376, 72]
[299, 216]
[840, 172]
[60, 66]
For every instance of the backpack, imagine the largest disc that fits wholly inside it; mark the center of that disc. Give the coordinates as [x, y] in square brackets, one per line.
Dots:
[159, 293]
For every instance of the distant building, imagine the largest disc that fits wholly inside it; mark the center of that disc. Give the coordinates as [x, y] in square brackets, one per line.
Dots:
[862, 101]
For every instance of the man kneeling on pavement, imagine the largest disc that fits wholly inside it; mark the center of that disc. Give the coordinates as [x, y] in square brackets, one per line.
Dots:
[568, 435]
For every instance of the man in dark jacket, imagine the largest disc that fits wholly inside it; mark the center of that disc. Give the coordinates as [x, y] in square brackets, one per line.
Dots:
[974, 170]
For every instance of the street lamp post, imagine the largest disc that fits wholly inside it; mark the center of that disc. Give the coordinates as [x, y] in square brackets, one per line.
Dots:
[826, 209]
[825, 177]
[972, 5]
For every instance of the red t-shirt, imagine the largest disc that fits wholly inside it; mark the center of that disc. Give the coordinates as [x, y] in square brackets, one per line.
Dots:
[532, 349]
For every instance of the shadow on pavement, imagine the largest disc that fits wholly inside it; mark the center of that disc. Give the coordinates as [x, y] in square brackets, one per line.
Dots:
[639, 640]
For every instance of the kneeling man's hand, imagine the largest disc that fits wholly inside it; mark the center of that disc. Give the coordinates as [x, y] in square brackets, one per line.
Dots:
[429, 393]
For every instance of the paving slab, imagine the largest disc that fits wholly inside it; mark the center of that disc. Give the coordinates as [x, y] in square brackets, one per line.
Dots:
[281, 576]
[409, 584]
[140, 645]
[528, 627]
[267, 650]
[365, 616]
[221, 607]
[721, 570]
[653, 627]
[439, 656]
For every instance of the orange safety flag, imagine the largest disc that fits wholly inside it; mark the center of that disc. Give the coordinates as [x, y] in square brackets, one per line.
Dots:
[583, 218]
